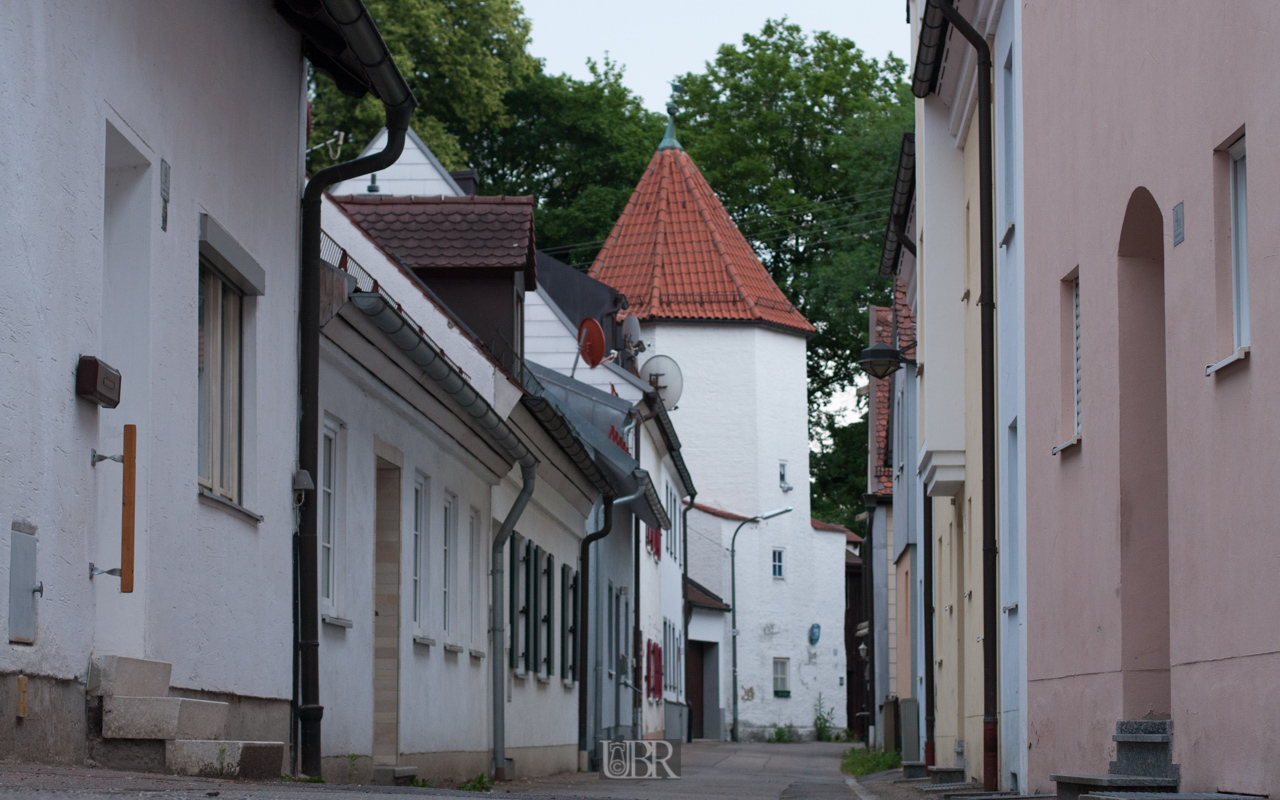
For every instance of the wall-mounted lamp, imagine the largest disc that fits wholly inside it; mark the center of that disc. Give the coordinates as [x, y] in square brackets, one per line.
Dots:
[880, 360]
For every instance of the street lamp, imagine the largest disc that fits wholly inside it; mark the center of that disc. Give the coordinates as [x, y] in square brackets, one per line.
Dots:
[733, 599]
[880, 360]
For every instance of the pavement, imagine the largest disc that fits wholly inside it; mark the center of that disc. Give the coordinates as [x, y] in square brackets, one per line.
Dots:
[747, 771]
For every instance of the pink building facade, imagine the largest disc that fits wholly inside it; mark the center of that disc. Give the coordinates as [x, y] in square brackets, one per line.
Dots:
[1152, 186]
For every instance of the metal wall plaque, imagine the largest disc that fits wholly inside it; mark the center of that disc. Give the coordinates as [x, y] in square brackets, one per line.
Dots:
[1177, 225]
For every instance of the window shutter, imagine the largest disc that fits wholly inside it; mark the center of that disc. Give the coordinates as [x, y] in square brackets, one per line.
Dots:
[514, 602]
[1075, 323]
[551, 615]
[573, 652]
[534, 664]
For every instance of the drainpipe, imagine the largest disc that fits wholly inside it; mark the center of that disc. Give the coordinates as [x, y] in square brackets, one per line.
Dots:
[986, 302]
[528, 474]
[364, 40]
[637, 635]
[684, 531]
[868, 606]
[584, 626]
[928, 632]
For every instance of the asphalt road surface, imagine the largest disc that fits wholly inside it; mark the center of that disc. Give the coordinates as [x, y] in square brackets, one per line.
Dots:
[807, 771]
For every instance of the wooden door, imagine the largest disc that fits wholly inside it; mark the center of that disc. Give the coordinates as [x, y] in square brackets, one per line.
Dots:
[693, 687]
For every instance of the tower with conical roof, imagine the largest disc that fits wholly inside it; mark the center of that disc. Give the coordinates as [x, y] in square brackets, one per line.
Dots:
[703, 297]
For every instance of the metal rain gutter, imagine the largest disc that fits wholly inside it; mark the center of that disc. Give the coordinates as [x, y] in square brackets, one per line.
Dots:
[904, 190]
[932, 47]
[365, 42]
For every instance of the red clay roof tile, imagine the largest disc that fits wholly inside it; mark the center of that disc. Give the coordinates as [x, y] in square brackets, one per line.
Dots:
[677, 255]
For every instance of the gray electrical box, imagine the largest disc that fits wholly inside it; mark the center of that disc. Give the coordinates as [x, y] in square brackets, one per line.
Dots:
[23, 586]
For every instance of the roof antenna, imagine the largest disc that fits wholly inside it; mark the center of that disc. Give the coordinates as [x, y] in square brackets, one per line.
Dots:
[373, 184]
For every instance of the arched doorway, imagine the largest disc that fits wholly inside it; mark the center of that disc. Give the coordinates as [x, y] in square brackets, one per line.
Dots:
[1144, 461]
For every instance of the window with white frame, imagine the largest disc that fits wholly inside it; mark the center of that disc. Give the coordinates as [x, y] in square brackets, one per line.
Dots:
[420, 506]
[448, 554]
[782, 677]
[1239, 243]
[779, 569]
[328, 512]
[219, 385]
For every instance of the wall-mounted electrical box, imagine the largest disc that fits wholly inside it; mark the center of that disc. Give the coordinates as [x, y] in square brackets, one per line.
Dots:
[98, 381]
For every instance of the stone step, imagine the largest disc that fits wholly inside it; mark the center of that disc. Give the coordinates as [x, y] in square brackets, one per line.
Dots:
[914, 769]
[1166, 796]
[207, 758]
[946, 774]
[162, 718]
[1151, 738]
[1073, 787]
[393, 776]
[113, 676]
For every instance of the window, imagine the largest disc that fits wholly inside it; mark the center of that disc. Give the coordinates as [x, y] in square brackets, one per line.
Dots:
[219, 385]
[419, 546]
[1239, 244]
[448, 554]
[782, 677]
[328, 484]
[778, 569]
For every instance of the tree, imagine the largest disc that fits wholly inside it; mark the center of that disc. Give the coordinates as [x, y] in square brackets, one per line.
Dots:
[460, 58]
[800, 136]
[580, 147]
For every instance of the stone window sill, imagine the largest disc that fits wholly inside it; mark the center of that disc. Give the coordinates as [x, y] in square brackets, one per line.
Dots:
[340, 622]
[452, 648]
[477, 654]
[212, 500]
[425, 641]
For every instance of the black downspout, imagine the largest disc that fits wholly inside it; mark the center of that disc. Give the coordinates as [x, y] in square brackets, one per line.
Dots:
[584, 621]
[310, 711]
[684, 532]
[928, 632]
[986, 302]
[637, 638]
[868, 605]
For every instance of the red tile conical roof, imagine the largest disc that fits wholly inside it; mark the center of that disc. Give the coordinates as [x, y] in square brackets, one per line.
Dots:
[677, 255]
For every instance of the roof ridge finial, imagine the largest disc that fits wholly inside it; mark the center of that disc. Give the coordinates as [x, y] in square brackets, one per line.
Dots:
[669, 141]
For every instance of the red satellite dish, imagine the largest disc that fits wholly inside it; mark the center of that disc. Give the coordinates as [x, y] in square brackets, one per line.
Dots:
[591, 342]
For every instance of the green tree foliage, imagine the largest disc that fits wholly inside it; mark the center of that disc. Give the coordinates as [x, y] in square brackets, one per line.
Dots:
[460, 57]
[800, 138]
[580, 147]
[799, 135]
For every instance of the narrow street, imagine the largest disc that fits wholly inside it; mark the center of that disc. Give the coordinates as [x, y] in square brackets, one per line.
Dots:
[754, 771]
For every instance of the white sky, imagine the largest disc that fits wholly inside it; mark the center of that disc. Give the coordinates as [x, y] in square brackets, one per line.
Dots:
[656, 41]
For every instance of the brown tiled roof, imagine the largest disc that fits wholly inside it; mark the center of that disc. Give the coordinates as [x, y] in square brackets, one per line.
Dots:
[849, 536]
[882, 325]
[715, 512]
[451, 232]
[695, 594]
[677, 255]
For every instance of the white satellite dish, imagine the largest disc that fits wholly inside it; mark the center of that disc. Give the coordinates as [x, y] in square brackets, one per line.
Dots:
[631, 330]
[663, 374]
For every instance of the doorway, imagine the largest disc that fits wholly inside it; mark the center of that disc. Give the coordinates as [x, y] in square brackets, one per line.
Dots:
[386, 616]
[1144, 462]
[693, 682]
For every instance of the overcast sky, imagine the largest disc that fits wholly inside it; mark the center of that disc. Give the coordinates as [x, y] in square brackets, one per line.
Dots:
[656, 41]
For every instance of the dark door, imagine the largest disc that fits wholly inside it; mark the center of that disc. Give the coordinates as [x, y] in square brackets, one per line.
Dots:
[693, 684]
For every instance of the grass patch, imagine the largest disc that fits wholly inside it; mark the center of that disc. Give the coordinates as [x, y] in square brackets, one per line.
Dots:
[859, 761]
[784, 734]
[480, 783]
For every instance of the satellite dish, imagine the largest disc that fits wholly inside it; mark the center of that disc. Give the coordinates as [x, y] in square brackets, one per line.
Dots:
[591, 342]
[663, 374]
[631, 330]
